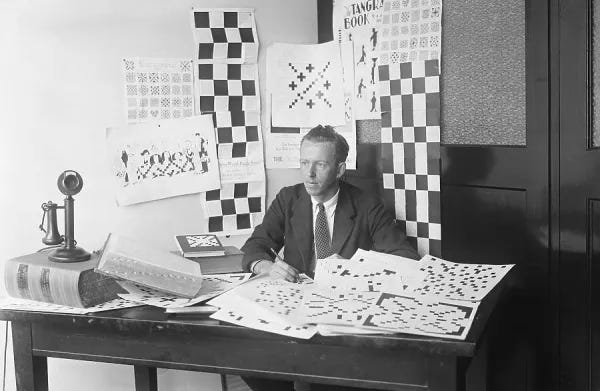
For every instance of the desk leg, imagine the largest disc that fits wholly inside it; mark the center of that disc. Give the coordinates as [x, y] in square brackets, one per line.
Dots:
[448, 374]
[31, 372]
[145, 378]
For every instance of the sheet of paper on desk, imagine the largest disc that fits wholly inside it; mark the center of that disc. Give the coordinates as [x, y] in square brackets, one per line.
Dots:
[250, 318]
[212, 285]
[278, 299]
[459, 281]
[330, 330]
[422, 315]
[369, 271]
[10, 303]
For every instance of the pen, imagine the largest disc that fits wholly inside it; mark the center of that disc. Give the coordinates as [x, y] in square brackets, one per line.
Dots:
[276, 255]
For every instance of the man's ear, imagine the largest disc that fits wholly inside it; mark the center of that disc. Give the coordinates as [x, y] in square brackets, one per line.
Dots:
[341, 169]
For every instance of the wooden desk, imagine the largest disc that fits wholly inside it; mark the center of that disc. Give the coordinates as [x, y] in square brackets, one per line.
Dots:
[145, 338]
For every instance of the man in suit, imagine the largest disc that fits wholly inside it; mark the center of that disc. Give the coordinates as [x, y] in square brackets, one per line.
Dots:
[352, 218]
[319, 218]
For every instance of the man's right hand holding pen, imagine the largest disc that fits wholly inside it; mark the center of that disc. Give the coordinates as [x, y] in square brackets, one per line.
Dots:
[277, 269]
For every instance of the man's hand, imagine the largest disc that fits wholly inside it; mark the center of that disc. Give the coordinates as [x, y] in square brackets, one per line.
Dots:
[277, 269]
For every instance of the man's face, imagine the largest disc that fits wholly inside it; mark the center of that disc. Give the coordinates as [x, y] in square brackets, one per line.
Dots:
[320, 172]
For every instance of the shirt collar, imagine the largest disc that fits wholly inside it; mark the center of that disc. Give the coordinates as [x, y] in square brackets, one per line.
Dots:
[329, 204]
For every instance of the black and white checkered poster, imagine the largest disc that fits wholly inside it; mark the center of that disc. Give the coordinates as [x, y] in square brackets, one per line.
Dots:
[225, 35]
[234, 209]
[239, 146]
[226, 87]
[410, 137]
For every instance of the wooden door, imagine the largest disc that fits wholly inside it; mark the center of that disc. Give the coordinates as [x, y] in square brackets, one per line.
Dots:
[578, 173]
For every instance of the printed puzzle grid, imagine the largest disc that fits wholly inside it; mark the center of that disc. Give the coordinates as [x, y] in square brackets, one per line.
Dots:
[226, 87]
[225, 35]
[410, 138]
[237, 132]
[158, 88]
[234, 207]
[410, 31]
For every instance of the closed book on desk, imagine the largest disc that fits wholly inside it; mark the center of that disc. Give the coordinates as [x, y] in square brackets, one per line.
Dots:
[200, 245]
[76, 284]
[231, 262]
[154, 268]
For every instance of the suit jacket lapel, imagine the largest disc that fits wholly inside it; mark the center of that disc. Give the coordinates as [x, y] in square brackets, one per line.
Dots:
[303, 227]
[344, 220]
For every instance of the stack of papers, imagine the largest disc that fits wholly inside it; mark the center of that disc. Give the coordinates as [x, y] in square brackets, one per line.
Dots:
[368, 294]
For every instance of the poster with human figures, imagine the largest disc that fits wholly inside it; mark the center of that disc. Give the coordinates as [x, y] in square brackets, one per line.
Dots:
[306, 85]
[161, 159]
[359, 22]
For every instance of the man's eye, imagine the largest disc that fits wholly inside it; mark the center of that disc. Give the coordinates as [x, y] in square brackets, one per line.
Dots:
[321, 165]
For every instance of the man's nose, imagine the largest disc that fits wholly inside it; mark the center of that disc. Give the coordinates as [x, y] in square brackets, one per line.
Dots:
[311, 171]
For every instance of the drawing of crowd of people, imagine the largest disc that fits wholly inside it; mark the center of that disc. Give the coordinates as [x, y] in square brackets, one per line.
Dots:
[166, 159]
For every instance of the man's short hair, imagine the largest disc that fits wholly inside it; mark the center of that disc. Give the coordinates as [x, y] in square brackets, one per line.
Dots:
[326, 133]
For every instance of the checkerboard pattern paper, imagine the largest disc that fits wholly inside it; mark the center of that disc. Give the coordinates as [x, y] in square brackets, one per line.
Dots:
[410, 30]
[410, 137]
[226, 87]
[237, 133]
[225, 35]
[234, 207]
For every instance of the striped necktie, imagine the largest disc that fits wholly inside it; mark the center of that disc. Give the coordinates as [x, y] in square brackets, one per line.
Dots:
[322, 238]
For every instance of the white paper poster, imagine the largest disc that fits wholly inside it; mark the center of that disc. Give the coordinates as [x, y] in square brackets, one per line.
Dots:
[225, 35]
[240, 147]
[410, 31]
[358, 22]
[306, 84]
[158, 88]
[160, 159]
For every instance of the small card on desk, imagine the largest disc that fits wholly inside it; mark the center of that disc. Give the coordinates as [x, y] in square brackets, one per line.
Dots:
[199, 245]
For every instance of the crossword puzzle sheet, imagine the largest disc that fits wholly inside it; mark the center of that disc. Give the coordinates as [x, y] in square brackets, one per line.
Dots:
[369, 271]
[410, 149]
[410, 30]
[235, 208]
[422, 315]
[226, 87]
[306, 84]
[225, 35]
[265, 304]
[158, 88]
[459, 281]
[212, 285]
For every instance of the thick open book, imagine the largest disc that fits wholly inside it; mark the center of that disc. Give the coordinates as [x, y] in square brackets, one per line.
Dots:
[162, 270]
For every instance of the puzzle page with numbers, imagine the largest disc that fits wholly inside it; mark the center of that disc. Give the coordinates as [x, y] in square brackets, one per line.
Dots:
[459, 281]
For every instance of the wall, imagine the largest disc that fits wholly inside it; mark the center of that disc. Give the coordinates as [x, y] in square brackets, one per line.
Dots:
[61, 87]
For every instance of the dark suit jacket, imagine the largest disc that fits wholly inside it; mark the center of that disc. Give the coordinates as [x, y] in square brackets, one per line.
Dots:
[360, 222]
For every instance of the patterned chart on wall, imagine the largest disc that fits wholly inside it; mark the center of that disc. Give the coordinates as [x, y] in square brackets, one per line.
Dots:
[235, 208]
[410, 138]
[227, 87]
[158, 88]
[410, 30]
[225, 35]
